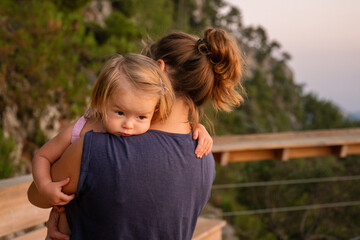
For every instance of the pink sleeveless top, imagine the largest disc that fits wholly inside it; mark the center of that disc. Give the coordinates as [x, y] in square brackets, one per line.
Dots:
[75, 134]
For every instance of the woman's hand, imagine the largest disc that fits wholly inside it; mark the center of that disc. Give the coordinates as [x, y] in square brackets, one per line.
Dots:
[53, 232]
[205, 141]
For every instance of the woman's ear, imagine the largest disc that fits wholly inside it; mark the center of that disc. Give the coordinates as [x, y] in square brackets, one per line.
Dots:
[161, 64]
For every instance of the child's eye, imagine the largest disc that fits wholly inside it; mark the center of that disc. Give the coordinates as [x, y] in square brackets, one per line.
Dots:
[141, 117]
[119, 113]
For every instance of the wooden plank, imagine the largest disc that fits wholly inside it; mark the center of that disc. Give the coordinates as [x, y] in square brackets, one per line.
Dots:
[283, 154]
[208, 229]
[287, 143]
[287, 140]
[16, 212]
[251, 155]
[288, 135]
[310, 152]
[283, 146]
[38, 234]
[8, 182]
[353, 149]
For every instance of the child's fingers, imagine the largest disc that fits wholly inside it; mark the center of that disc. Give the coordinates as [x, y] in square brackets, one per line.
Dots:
[198, 153]
[209, 147]
[195, 134]
[64, 182]
[58, 235]
[204, 148]
[51, 225]
[200, 150]
[209, 144]
[65, 199]
[208, 151]
[59, 209]
[199, 145]
[204, 141]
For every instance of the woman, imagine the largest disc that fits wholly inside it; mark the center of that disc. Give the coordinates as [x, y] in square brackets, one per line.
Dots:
[158, 192]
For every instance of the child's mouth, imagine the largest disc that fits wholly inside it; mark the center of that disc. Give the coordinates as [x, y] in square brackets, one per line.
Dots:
[124, 134]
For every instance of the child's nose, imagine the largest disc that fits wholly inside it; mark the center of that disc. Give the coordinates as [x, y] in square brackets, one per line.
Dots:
[128, 124]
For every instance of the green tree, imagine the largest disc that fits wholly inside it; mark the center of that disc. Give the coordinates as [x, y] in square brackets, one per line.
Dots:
[7, 148]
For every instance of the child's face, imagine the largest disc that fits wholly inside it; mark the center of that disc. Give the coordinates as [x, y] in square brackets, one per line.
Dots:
[129, 111]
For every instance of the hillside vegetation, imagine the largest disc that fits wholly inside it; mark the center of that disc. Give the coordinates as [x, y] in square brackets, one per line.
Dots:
[52, 51]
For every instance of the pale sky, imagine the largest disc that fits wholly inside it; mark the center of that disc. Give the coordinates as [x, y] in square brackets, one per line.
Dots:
[323, 39]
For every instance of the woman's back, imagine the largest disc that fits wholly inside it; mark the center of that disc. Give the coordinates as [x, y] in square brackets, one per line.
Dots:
[147, 187]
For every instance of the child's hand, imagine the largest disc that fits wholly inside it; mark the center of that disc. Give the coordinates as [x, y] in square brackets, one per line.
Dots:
[52, 225]
[205, 141]
[52, 191]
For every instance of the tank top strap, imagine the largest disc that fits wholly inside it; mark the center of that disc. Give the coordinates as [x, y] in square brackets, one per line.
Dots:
[75, 134]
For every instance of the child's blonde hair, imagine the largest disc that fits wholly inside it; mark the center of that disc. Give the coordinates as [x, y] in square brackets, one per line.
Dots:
[140, 71]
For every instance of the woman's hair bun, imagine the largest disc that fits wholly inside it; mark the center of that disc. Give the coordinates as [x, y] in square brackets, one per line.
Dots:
[216, 42]
[203, 47]
[227, 63]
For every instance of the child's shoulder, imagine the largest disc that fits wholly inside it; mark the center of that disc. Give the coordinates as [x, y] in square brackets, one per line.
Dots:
[92, 124]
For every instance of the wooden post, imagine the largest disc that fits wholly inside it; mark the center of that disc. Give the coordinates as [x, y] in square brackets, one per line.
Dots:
[224, 158]
[341, 151]
[283, 154]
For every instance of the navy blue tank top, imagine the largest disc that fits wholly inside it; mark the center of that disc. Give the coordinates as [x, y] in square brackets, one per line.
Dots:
[149, 186]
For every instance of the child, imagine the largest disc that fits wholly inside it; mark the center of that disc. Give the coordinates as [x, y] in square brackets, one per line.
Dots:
[131, 93]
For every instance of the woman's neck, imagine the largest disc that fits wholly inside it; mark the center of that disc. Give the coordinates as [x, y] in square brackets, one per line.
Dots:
[177, 122]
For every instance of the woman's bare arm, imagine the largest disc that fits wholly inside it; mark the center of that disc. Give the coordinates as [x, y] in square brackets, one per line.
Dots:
[68, 166]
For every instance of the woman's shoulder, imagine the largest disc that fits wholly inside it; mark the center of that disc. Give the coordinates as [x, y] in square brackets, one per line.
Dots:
[152, 139]
[169, 134]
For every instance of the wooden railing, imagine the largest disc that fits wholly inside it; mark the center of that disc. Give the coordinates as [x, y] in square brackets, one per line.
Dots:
[19, 220]
[284, 146]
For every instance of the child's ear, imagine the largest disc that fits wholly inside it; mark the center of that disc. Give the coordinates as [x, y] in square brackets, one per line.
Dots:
[156, 109]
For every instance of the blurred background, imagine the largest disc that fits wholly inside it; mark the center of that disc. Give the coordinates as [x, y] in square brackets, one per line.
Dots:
[323, 38]
[52, 51]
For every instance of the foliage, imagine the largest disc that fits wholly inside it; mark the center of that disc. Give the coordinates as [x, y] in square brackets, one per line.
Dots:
[154, 18]
[7, 147]
[274, 104]
[47, 52]
[319, 112]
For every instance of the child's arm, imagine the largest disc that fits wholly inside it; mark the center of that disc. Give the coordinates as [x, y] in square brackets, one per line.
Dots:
[205, 141]
[67, 167]
[63, 225]
[41, 163]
